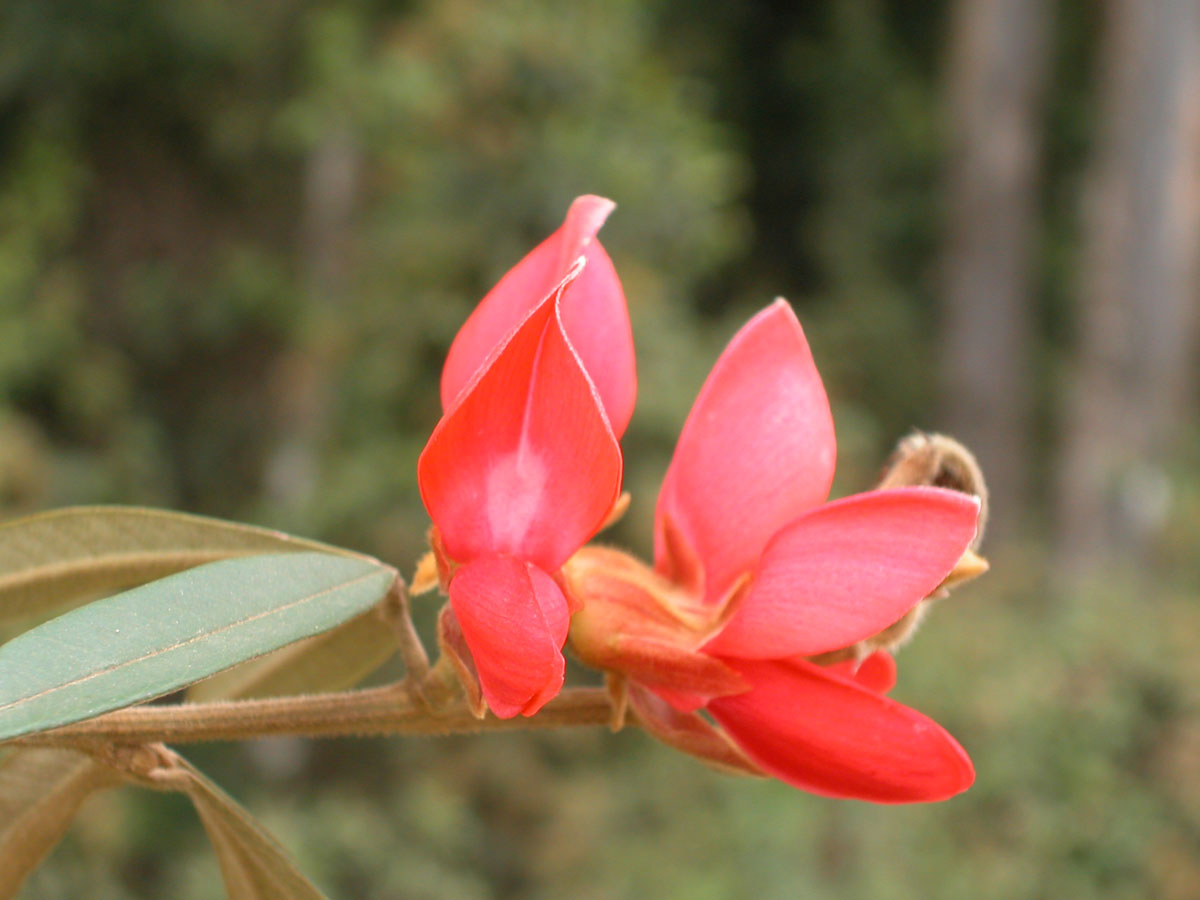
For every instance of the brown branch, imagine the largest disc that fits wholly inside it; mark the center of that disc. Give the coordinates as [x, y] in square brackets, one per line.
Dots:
[397, 612]
[393, 709]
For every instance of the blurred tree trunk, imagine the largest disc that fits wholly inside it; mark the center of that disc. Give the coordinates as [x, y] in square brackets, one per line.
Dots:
[303, 380]
[1137, 303]
[998, 65]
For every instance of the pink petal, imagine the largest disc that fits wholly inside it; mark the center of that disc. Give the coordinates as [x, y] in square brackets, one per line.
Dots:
[756, 451]
[525, 462]
[594, 312]
[826, 734]
[847, 570]
[876, 673]
[513, 617]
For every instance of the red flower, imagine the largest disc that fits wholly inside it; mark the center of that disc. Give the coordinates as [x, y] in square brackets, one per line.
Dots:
[524, 466]
[755, 573]
[594, 314]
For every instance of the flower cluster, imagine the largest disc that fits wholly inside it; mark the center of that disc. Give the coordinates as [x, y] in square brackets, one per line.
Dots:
[757, 579]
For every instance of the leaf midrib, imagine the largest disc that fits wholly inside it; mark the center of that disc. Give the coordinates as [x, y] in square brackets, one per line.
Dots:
[14, 704]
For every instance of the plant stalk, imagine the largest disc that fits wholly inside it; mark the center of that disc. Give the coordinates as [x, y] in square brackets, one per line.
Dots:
[392, 709]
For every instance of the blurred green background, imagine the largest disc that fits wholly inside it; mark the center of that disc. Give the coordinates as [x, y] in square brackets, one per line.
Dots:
[237, 239]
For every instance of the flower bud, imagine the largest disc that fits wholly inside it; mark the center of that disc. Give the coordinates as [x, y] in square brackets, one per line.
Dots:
[933, 460]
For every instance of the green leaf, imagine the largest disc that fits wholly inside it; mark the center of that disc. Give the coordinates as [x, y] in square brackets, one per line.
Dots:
[41, 790]
[333, 661]
[253, 865]
[162, 636]
[53, 560]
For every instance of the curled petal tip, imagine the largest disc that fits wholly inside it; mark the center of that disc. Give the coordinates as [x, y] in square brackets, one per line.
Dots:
[594, 312]
[522, 288]
[588, 213]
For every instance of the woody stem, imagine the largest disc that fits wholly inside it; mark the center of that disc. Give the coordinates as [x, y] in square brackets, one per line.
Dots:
[392, 709]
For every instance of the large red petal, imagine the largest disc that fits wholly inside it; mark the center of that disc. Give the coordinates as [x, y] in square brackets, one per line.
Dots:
[756, 451]
[514, 619]
[525, 462]
[848, 570]
[594, 312]
[824, 733]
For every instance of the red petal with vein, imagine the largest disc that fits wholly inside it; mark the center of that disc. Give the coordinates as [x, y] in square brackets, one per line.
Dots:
[847, 570]
[514, 618]
[594, 313]
[826, 734]
[877, 672]
[524, 463]
[756, 451]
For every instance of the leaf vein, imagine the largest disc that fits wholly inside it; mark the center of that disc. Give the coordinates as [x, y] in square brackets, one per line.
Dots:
[13, 704]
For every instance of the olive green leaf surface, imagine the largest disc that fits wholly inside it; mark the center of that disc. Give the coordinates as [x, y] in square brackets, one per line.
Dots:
[332, 661]
[41, 790]
[162, 636]
[55, 559]
[253, 865]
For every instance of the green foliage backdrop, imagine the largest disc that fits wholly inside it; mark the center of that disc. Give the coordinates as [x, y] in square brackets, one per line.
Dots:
[235, 243]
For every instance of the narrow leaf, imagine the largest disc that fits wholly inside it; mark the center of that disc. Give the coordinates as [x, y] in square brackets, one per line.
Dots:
[41, 790]
[333, 661]
[168, 634]
[253, 865]
[54, 560]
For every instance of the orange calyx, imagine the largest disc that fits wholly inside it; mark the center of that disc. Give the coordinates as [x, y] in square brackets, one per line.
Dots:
[636, 622]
